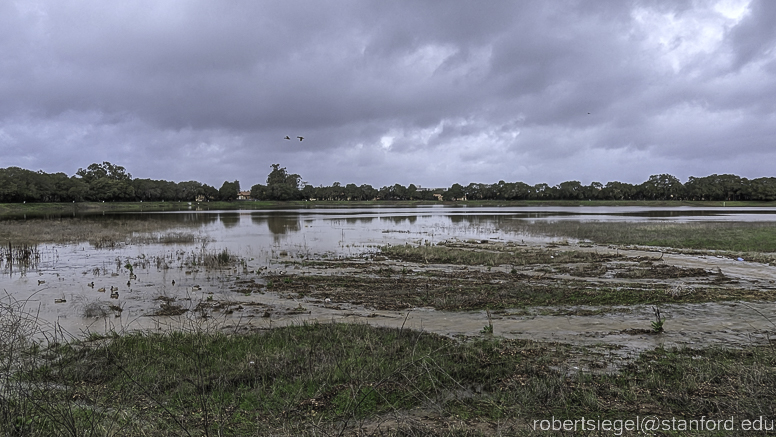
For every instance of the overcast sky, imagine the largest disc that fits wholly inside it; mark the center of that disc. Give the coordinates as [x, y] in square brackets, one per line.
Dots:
[385, 92]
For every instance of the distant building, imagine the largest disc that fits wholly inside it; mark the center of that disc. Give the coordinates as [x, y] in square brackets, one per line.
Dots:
[244, 195]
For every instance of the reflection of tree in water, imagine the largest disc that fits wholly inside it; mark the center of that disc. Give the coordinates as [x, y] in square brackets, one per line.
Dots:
[258, 218]
[476, 220]
[158, 218]
[194, 218]
[283, 224]
[230, 219]
[399, 220]
[359, 220]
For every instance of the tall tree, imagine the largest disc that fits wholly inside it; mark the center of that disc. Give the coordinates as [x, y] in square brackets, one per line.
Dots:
[281, 185]
[229, 190]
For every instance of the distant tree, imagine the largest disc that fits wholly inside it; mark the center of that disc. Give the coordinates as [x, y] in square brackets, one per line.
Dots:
[762, 189]
[369, 192]
[398, 192]
[281, 185]
[188, 191]
[475, 191]
[454, 192]
[147, 189]
[308, 192]
[716, 187]
[210, 193]
[107, 189]
[259, 192]
[104, 170]
[617, 191]
[570, 190]
[662, 187]
[517, 191]
[542, 192]
[593, 191]
[107, 182]
[229, 190]
[78, 190]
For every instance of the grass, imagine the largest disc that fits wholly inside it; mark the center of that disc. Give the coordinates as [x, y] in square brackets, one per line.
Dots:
[489, 255]
[42, 209]
[727, 236]
[494, 291]
[327, 379]
[210, 259]
[99, 233]
[525, 277]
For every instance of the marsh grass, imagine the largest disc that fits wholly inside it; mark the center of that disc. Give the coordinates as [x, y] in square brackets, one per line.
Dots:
[494, 291]
[489, 255]
[99, 233]
[214, 259]
[335, 379]
[23, 256]
[727, 236]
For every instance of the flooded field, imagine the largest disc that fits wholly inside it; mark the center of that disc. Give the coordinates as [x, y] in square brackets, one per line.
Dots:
[460, 272]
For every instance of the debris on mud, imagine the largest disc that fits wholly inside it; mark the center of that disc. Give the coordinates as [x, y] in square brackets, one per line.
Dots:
[167, 308]
[457, 276]
[662, 271]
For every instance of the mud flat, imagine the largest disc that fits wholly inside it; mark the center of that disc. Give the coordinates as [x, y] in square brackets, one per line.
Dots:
[581, 294]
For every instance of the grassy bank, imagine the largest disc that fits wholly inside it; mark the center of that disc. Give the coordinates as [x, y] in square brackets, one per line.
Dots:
[334, 379]
[100, 233]
[32, 210]
[729, 236]
[43, 209]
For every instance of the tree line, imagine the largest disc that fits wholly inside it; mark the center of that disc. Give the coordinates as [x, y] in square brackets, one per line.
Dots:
[108, 182]
[102, 182]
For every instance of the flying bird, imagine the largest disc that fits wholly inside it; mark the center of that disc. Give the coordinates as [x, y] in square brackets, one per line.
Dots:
[300, 138]
[287, 138]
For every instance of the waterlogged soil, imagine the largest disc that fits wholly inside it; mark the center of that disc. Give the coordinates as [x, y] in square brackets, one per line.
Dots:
[598, 297]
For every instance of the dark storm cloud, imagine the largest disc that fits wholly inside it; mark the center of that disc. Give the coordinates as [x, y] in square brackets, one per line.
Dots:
[390, 92]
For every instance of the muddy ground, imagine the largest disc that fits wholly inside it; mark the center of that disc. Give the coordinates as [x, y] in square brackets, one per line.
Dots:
[585, 295]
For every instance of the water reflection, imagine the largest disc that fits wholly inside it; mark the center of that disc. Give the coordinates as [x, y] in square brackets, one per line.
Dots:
[398, 220]
[283, 224]
[359, 220]
[229, 219]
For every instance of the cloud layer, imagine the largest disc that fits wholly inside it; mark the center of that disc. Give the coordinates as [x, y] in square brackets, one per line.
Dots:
[390, 92]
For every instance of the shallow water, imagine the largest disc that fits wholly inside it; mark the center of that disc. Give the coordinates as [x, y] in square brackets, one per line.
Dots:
[58, 288]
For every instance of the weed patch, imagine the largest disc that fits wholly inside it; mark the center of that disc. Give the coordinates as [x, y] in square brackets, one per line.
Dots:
[338, 377]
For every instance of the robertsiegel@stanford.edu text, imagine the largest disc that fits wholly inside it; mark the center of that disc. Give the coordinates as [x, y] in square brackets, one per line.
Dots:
[650, 424]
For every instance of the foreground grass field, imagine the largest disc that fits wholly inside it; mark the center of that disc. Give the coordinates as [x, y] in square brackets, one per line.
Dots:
[336, 379]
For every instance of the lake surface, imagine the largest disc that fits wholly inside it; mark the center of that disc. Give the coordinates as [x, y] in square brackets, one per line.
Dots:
[64, 284]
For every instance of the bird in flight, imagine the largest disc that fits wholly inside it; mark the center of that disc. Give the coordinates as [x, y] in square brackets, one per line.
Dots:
[300, 138]
[287, 138]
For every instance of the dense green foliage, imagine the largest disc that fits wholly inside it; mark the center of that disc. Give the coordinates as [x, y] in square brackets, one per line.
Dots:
[108, 182]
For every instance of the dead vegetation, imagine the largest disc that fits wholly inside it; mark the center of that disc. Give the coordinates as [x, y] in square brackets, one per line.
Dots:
[100, 233]
[474, 275]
